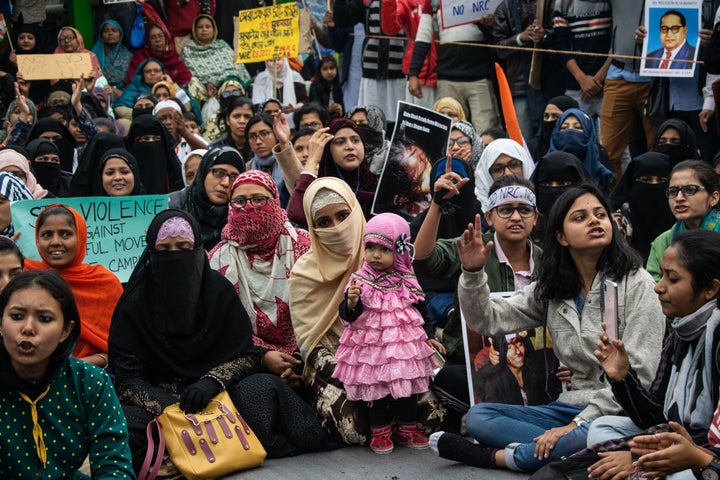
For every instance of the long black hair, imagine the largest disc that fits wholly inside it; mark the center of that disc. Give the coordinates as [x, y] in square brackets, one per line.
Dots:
[699, 254]
[559, 278]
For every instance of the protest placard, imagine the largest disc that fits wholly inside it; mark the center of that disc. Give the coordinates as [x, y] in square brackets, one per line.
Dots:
[516, 369]
[268, 33]
[419, 140]
[672, 38]
[54, 67]
[116, 227]
[460, 12]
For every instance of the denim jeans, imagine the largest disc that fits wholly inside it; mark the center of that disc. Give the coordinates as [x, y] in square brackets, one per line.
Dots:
[514, 427]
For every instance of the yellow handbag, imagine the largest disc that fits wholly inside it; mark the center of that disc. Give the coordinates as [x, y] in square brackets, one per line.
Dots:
[205, 445]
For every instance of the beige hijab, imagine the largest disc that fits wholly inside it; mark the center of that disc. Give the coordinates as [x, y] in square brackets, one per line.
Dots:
[318, 279]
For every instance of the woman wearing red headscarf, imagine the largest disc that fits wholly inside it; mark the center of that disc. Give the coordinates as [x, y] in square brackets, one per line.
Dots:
[343, 157]
[259, 247]
[61, 240]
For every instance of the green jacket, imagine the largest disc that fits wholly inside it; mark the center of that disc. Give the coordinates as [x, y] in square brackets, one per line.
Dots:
[657, 249]
[444, 262]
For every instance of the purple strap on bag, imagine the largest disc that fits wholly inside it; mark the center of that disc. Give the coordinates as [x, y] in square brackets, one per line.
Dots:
[185, 435]
[242, 438]
[225, 427]
[206, 450]
[211, 432]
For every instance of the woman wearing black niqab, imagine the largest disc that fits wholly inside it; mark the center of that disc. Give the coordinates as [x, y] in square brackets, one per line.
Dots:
[643, 187]
[180, 333]
[64, 140]
[687, 149]
[160, 169]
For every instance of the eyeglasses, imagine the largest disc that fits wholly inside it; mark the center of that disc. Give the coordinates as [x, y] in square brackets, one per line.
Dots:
[687, 190]
[512, 165]
[262, 134]
[313, 125]
[221, 174]
[460, 141]
[241, 202]
[674, 29]
[67, 38]
[152, 70]
[507, 211]
[228, 94]
[159, 36]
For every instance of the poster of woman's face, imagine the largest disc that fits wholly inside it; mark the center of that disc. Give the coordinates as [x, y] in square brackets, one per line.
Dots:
[420, 138]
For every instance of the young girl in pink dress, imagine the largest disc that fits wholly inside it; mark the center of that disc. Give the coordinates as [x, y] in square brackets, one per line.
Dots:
[383, 356]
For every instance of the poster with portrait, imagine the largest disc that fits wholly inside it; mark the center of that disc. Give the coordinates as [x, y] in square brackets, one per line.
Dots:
[419, 140]
[671, 45]
[516, 368]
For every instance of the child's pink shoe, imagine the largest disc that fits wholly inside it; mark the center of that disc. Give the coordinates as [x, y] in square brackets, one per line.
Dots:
[410, 436]
[380, 441]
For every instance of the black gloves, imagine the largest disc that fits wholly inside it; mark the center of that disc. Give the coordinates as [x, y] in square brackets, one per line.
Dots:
[198, 395]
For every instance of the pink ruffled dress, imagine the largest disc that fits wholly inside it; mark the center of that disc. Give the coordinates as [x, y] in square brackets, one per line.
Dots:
[384, 352]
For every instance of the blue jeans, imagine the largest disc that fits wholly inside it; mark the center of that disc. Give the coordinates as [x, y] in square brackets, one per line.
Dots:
[514, 427]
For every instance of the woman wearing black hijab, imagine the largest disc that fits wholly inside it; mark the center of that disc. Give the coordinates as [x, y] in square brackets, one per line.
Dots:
[149, 141]
[180, 333]
[208, 197]
[120, 184]
[55, 131]
[676, 139]
[555, 173]
[44, 157]
[554, 108]
[88, 164]
[643, 187]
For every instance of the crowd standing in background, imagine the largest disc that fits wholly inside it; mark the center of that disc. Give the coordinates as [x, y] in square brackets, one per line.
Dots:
[270, 277]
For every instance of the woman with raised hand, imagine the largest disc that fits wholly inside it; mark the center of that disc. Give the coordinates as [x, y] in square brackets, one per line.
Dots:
[582, 250]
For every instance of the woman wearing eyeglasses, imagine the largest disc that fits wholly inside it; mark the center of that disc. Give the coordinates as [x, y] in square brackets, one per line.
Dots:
[693, 193]
[501, 157]
[465, 143]
[582, 249]
[259, 247]
[208, 196]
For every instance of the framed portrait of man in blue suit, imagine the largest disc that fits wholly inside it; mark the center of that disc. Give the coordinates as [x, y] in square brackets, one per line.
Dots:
[670, 47]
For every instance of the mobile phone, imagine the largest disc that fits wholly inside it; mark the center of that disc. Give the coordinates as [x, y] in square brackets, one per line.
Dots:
[610, 309]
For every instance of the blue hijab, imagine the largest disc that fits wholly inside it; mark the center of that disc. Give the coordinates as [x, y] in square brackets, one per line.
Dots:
[115, 64]
[583, 145]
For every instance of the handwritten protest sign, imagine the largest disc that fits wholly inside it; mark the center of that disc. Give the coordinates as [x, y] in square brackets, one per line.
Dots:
[56, 66]
[672, 41]
[419, 140]
[268, 33]
[116, 227]
[460, 12]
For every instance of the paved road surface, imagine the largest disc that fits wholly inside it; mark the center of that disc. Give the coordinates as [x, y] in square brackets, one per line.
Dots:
[360, 463]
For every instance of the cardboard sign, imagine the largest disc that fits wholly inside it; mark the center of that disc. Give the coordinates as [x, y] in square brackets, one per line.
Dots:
[460, 12]
[419, 140]
[116, 227]
[54, 67]
[268, 33]
[673, 28]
